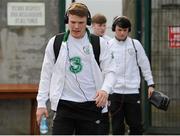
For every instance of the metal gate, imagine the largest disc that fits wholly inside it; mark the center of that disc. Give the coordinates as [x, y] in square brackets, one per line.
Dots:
[162, 43]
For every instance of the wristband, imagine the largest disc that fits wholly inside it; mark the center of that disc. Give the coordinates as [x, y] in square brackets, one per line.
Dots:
[152, 85]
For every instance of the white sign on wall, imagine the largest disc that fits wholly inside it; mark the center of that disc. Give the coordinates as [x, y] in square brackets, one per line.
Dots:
[25, 14]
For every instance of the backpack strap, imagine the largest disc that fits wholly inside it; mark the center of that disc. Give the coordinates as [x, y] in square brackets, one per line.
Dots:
[57, 44]
[135, 52]
[95, 41]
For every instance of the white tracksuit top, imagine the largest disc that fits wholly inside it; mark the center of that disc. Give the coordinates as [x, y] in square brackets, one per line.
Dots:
[128, 75]
[53, 75]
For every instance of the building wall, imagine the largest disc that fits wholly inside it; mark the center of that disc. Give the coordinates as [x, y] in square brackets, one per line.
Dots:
[21, 55]
[22, 47]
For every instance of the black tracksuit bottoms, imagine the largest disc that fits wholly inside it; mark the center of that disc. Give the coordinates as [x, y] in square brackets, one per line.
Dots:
[125, 107]
[75, 118]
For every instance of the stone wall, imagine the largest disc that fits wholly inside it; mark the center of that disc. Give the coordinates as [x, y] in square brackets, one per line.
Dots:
[21, 55]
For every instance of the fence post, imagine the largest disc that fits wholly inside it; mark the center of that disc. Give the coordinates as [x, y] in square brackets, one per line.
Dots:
[62, 8]
[147, 47]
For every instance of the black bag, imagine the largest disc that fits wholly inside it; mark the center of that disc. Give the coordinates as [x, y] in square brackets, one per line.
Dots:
[95, 41]
[159, 100]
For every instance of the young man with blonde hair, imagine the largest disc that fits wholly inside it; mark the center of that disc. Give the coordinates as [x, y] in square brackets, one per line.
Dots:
[99, 26]
[76, 85]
